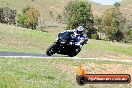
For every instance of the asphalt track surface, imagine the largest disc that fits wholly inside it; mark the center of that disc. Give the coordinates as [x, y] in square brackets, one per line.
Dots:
[31, 55]
[6, 53]
[22, 54]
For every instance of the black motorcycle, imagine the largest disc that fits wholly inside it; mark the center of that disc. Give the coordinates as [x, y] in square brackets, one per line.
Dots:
[65, 45]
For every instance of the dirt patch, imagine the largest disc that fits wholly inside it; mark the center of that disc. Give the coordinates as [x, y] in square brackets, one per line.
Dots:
[67, 68]
[93, 68]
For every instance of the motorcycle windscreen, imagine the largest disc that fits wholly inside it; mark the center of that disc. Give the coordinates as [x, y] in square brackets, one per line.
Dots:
[64, 37]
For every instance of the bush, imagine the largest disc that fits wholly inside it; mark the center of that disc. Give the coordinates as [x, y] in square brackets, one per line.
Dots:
[22, 20]
[128, 36]
[93, 36]
[28, 18]
[7, 15]
[92, 33]
[118, 36]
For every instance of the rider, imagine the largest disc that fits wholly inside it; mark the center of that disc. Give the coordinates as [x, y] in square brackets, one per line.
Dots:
[78, 36]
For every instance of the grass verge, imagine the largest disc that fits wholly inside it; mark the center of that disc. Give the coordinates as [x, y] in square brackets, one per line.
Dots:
[55, 73]
[24, 40]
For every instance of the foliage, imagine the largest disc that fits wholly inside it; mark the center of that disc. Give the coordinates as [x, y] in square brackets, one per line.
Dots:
[97, 26]
[128, 31]
[7, 15]
[113, 23]
[79, 13]
[22, 20]
[97, 21]
[92, 33]
[127, 35]
[118, 36]
[29, 18]
[94, 36]
[117, 4]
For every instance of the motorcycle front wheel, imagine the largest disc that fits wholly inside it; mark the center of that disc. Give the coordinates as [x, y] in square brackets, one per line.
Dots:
[51, 50]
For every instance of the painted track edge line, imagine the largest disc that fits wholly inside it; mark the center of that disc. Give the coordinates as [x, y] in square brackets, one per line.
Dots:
[75, 58]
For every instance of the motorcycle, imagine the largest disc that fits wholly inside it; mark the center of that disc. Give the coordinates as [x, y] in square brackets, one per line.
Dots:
[65, 45]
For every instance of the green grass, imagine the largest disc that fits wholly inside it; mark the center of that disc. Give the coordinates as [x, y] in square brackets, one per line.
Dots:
[97, 45]
[29, 73]
[19, 39]
[25, 40]
[50, 73]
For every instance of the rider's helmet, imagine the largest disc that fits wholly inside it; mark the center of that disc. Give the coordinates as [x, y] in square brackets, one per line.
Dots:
[80, 30]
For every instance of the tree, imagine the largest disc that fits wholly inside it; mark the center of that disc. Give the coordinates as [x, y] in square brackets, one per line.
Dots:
[7, 15]
[117, 4]
[97, 25]
[29, 18]
[113, 24]
[79, 13]
[127, 33]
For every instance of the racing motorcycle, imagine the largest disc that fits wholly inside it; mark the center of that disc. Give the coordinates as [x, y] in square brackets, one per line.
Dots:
[65, 45]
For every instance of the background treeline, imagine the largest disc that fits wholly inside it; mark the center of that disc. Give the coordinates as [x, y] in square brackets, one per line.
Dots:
[114, 25]
[28, 18]
[111, 26]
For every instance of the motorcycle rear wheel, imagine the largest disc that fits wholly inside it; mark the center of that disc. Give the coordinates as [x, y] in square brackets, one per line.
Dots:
[72, 54]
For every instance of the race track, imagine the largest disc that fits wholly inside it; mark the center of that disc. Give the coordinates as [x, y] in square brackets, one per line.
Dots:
[31, 55]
